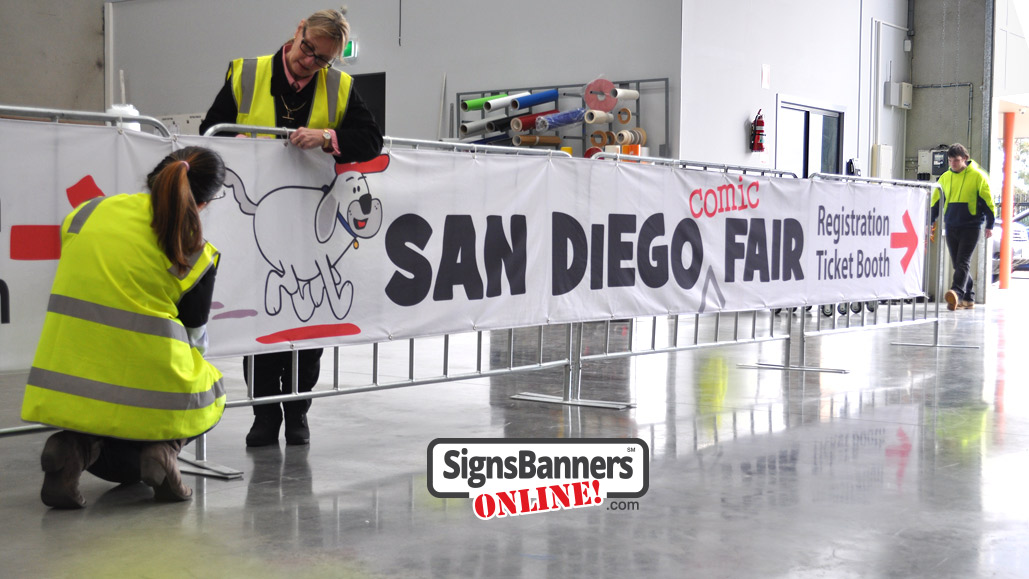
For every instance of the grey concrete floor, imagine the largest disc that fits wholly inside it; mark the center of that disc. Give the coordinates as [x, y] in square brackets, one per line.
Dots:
[911, 464]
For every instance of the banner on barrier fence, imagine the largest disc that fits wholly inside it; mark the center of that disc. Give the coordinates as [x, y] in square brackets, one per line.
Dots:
[421, 242]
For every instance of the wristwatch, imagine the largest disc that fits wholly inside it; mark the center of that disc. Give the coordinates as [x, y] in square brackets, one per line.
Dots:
[327, 140]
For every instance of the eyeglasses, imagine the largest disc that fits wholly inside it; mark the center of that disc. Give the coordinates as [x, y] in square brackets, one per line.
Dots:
[308, 49]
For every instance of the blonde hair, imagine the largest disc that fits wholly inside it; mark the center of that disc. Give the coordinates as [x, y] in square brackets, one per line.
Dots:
[331, 24]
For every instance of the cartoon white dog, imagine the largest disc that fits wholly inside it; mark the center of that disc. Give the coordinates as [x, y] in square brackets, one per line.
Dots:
[303, 233]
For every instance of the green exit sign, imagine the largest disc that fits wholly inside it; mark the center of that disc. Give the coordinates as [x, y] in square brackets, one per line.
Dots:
[350, 50]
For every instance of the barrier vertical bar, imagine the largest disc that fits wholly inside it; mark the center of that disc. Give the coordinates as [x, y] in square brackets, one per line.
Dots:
[335, 368]
[294, 374]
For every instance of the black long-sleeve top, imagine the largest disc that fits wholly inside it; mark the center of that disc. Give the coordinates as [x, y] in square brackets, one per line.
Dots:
[358, 134]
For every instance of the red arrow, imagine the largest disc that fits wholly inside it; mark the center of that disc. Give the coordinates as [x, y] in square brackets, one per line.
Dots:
[908, 238]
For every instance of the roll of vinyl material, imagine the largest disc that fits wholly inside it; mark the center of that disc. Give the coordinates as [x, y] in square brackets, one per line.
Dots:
[592, 151]
[597, 95]
[494, 140]
[502, 102]
[475, 127]
[623, 137]
[528, 122]
[534, 99]
[476, 104]
[598, 138]
[501, 124]
[599, 117]
[641, 135]
[558, 120]
[533, 140]
[611, 137]
[624, 115]
[625, 94]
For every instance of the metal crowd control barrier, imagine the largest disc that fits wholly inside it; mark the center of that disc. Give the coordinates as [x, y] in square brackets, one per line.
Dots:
[57, 116]
[696, 165]
[707, 329]
[864, 309]
[85, 116]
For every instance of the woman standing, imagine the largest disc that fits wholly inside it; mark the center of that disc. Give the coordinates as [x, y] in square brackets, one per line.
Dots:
[119, 366]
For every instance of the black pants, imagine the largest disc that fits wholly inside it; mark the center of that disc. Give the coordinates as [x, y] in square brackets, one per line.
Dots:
[961, 243]
[118, 461]
[273, 375]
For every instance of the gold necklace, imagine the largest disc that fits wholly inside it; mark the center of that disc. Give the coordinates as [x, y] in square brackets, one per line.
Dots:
[289, 112]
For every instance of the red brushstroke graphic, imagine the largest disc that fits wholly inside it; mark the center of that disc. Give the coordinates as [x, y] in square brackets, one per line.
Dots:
[35, 242]
[310, 333]
[43, 242]
[83, 191]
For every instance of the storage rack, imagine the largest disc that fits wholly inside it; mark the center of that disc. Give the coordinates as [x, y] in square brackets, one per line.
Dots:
[570, 97]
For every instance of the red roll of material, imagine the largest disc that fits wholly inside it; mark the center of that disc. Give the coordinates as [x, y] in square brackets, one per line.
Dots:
[528, 122]
[592, 151]
[597, 95]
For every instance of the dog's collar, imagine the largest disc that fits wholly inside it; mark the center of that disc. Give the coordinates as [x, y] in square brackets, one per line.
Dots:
[345, 225]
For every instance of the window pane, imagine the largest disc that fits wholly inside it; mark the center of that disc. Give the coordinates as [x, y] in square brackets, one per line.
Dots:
[790, 141]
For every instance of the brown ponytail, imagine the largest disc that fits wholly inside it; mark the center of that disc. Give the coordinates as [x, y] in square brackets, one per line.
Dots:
[178, 184]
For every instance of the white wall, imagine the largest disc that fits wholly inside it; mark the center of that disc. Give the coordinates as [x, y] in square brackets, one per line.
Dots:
[951, 49]
[175, 52]
[821, 53]
[53, 54]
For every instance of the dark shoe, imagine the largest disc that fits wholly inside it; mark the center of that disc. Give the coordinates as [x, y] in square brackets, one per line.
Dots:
[297, 431]
[159, 468]
[966, 305]
[952, 299]
[265, 430]
[65, 455]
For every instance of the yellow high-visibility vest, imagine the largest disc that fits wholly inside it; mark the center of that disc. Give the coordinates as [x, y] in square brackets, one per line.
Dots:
[255, 105]
[113, 358]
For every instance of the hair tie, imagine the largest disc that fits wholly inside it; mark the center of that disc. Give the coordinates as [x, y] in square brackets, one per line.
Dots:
[186, 163]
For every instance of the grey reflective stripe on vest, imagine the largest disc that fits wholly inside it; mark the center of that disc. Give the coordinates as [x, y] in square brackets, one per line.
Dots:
[115, 318]
[123, 395]
[80, 218]
[247, 79]
[190, 262]
[332, 80]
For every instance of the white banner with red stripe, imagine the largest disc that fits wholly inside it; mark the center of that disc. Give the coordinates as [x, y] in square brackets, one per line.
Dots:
[422, 242]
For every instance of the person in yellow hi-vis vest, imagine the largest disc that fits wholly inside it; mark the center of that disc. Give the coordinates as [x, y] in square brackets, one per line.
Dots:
[967, 205]
[297, 88]
[119, 366]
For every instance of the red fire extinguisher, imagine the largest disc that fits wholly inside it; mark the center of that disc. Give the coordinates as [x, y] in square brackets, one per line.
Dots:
[757, 133]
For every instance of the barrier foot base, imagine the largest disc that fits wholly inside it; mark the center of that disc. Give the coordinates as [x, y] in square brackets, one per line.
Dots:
[204, 468]
[531, 397]
[762, 366]
[934, 345]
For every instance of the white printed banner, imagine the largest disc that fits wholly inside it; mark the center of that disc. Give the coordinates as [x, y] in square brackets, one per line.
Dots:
[422, 242]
